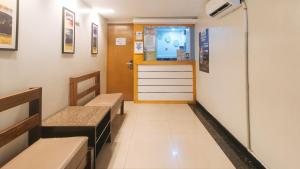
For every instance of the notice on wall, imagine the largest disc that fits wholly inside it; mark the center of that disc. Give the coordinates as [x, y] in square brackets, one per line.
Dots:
[150, 39]
[204, 50]
[139, 36]
[138, 47]
[121, 41]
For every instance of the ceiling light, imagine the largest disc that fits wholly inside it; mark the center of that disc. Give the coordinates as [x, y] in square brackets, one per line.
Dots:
[105, 11]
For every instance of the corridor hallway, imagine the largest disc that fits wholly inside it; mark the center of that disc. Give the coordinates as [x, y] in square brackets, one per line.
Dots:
[163, 136]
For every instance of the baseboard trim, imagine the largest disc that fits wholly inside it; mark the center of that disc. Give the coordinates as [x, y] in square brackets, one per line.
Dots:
[235, 151]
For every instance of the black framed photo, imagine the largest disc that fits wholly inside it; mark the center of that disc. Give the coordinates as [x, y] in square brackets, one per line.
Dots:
[94, 39]
[204, 50]
[9, 24]
[68, 37]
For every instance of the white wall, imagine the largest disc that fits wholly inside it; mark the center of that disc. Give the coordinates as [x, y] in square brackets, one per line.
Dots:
[39, 61]
[274, 79]
[223, 91]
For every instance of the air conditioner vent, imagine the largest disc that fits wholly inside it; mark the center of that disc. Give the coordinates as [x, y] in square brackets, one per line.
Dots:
[221, 9]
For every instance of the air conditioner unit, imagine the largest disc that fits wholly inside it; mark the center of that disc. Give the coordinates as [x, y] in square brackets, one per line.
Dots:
[220, 8]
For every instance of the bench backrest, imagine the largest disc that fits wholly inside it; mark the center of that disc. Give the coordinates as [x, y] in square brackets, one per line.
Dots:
[74, 96]
[32, 124]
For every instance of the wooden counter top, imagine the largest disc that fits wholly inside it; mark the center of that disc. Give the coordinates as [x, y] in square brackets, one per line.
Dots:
[77, 116]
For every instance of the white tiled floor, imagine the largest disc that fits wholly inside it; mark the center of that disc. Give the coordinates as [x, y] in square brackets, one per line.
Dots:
[161, 137]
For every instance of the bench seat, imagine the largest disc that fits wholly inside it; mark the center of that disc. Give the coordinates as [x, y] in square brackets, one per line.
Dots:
[53, 153]
[114, 101]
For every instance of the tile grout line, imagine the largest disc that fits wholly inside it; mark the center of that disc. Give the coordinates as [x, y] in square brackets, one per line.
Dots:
[130, 143]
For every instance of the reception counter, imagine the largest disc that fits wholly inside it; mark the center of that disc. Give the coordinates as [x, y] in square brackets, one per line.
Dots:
[165, 82]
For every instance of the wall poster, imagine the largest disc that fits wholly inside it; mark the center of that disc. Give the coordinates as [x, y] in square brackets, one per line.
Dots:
[138, 47]
[139, 36]
[94, 40]
[9, 18]
[150, 43]
[68, 44]
[204, 50]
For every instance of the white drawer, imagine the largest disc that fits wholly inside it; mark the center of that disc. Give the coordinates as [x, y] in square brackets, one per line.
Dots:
[165, 75]
[170, 89]
[165, 96]
[168, 82]
[165, 68]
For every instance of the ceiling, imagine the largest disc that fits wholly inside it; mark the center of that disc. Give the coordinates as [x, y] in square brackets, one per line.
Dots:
[128, 9]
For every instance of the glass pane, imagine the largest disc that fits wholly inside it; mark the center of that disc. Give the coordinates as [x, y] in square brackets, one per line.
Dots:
[173, 43]
[167, 43]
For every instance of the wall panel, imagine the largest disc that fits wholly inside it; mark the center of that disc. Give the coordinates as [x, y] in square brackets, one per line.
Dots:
[39, 61]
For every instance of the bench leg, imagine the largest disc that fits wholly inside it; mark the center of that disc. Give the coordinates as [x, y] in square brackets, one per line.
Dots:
[122, 107]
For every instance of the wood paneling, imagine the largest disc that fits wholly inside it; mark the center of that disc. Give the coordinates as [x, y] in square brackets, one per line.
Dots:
[119, 76]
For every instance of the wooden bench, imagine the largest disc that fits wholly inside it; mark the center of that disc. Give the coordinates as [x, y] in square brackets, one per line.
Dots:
[92, 122]
[114, 101]
[55, 153]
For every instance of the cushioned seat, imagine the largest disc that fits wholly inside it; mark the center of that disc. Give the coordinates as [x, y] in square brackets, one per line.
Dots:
[113, 101]
[54, 153]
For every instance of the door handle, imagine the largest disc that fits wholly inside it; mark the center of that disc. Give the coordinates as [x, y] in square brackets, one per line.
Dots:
[130, 64]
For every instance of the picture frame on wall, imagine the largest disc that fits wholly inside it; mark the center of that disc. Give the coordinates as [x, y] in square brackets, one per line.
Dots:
[94, 38]
[9, 27]
[139, 47]
[68, 36]
[204, 50]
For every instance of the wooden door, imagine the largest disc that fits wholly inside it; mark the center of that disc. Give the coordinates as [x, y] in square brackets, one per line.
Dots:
[119, 73]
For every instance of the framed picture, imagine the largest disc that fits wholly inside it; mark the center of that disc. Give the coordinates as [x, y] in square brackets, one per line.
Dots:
[94, 40]
[68, 37]
[138, 47]
[204, 50]
[9, 23]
